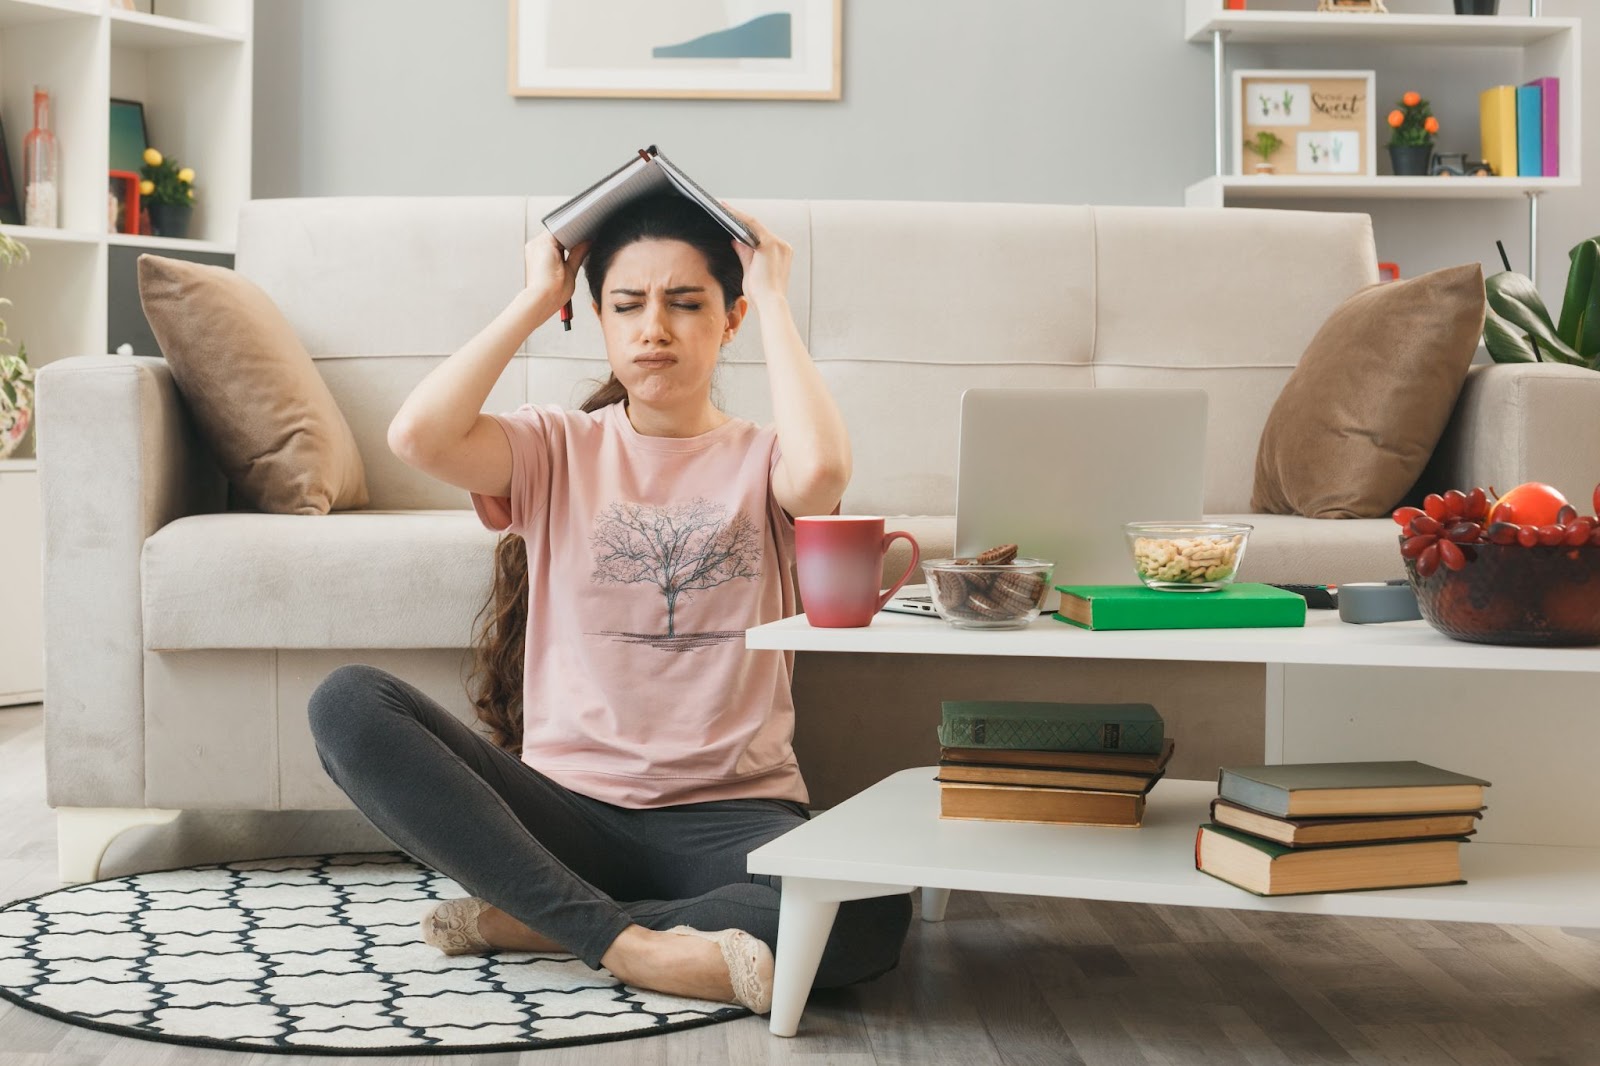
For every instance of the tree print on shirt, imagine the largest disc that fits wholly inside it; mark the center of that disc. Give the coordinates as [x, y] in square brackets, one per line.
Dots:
[681, 549]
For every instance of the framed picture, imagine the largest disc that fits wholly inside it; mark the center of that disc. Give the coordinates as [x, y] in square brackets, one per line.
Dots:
[10, 209]
[123, 206]
[1324, 119]
[740, 49]
[129, 135]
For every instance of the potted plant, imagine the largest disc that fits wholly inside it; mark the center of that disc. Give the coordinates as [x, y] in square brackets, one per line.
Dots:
[1411, 142]
[1264, 144]
[168, 189]
[16, 376]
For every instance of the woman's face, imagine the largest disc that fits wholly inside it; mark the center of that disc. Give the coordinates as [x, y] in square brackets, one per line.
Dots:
[664, 324]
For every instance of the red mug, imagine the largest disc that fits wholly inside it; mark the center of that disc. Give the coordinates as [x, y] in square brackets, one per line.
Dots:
[840, 562]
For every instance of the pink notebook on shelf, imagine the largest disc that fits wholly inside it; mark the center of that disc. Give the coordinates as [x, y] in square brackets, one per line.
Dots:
[1551, 124]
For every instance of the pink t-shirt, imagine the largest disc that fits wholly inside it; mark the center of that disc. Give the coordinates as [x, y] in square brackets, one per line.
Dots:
[648, 557]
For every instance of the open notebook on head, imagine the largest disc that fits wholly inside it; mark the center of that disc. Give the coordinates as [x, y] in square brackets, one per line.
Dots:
[646, 174]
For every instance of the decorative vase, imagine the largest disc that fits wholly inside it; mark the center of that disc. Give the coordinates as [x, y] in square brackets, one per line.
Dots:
[14, 421]
[1477, 7]
[170, 220]
[1264, 168]
[1410, 160]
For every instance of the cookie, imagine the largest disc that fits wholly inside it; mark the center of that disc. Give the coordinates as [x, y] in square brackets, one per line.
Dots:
[998, 555]
[1017, 592]
[952, 588]
[984, 606]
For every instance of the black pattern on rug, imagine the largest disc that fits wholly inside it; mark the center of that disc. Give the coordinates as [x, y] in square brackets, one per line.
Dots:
[309, 954]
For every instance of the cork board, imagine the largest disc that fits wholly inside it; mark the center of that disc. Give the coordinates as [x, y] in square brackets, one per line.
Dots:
[1325, 119]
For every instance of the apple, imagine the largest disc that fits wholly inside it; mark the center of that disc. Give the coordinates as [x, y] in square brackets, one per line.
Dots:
[1532, 503]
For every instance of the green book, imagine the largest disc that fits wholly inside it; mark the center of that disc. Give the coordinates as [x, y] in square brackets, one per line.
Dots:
[1340, 789]
[1038, 726]
[1271, 869]
[1239, 606]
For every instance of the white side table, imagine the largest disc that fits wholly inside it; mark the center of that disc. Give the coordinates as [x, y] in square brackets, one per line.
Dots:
[890, 838]
[22, 606]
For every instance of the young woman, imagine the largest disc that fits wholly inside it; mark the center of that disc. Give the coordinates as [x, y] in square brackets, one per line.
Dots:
[639, 752]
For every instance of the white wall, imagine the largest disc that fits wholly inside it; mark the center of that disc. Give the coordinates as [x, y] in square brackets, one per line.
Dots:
[1066, 101]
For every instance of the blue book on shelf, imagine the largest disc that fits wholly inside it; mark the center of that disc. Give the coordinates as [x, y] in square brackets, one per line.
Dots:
[1530, 131]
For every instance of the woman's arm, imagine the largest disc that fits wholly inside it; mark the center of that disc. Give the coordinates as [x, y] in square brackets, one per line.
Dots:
[440, 429]
[814, 468]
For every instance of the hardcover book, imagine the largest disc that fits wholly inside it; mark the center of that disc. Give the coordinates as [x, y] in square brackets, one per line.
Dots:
[1117, 761]
[1041, 726]
[1550, 124]
[1497, 125]
[647, 173]
[1239, 606]
[1320, 832]
[1270, 869]
[1530, 131]
[1008, 803]
[1332, 789]
[1092, 780]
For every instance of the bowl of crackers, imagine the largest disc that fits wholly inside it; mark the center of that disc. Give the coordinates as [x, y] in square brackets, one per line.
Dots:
[994, 589]
[1187, 556]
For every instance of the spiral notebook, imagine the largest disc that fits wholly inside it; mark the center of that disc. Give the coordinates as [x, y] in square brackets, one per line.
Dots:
[646, 174]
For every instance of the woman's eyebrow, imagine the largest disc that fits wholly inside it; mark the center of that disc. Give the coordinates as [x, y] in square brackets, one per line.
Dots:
[676, 290]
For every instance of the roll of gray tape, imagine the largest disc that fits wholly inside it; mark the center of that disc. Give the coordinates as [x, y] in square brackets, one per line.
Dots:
[1365, 602]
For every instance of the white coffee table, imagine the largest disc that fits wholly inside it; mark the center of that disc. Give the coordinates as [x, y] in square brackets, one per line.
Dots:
[890, 839]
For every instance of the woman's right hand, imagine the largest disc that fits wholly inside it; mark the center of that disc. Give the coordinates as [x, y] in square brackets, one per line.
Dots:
[550, 278]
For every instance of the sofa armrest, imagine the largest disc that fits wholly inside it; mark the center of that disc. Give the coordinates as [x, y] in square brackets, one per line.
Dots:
[1517, 422]
[118, 459]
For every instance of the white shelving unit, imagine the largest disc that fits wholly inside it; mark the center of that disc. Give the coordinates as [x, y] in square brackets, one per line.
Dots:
[190, 66]
[1539, 46]
[21, 550]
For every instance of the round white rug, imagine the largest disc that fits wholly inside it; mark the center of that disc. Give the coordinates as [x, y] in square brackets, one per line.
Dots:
[319, 953]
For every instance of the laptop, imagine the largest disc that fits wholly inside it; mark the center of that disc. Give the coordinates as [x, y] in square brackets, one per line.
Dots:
[1058, 471]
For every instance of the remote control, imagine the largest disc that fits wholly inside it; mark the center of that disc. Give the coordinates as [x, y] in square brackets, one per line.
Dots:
[1317, 597]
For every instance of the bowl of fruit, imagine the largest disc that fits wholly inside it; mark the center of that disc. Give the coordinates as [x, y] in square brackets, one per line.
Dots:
[1523, 568]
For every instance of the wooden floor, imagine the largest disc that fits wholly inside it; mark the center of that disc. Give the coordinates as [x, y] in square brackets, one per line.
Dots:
[1004, 979]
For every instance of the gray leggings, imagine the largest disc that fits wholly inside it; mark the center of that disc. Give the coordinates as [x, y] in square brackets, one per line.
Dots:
[571, 868]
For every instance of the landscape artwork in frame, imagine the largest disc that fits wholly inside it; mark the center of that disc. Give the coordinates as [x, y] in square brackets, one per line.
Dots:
[1325, 118]
[749, 49]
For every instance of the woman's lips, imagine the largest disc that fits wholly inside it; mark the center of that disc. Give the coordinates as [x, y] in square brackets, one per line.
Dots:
[654, 361]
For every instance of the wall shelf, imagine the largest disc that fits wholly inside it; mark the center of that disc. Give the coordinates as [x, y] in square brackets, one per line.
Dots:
[1311, 27]
[1228, 190]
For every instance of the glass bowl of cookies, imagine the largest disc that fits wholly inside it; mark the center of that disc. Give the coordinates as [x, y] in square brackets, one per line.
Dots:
[1187, 556]
[994, 589]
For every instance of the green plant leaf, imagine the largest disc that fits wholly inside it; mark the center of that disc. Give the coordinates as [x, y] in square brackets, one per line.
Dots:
[1516, 312]
[1580, 308]
[10, 392]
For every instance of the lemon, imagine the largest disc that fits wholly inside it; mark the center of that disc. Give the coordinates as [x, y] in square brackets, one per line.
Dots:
[152, 157]
[146, 188]
[186, 175]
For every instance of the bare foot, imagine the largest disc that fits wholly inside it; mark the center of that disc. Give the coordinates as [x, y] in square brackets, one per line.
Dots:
[505, 933]
[669, 962]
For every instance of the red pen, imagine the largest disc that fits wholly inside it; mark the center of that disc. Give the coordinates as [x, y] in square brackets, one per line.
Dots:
[566, 316]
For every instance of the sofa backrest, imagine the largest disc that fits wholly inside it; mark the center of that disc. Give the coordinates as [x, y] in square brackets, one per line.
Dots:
[903, 305]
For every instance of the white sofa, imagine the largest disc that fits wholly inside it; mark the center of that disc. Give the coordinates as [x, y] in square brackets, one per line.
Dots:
[183, 640]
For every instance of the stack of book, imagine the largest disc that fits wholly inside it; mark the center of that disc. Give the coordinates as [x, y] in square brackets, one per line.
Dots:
[1338, 827]
[1521, 128]
[1063, 763]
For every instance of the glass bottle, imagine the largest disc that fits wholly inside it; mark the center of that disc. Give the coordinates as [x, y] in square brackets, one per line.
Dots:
[41, 167]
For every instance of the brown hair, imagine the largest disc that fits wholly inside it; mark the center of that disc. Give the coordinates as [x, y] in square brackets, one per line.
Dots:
[499, 646]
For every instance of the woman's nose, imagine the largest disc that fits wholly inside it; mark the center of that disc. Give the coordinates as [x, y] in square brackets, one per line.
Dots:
[653, 323]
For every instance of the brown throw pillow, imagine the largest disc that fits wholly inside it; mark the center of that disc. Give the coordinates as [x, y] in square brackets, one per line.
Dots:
[1364, 409]
[257, 398]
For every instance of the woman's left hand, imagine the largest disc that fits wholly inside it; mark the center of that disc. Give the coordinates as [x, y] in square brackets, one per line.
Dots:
[766, 267]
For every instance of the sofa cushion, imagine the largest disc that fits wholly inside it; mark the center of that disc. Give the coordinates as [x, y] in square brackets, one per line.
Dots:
[264, 411]
[1292, 550]
[358, 579]
[1360, 416]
